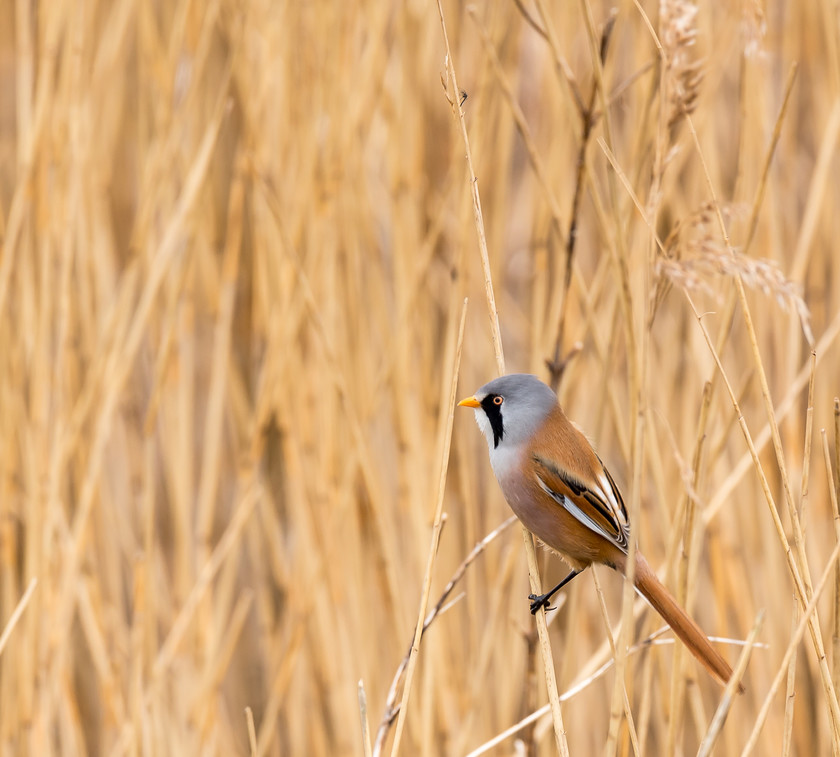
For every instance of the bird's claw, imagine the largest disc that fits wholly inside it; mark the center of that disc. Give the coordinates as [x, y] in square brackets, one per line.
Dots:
[540, 601]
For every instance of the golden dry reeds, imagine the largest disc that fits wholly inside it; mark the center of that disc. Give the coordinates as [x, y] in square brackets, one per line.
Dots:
[238, 512]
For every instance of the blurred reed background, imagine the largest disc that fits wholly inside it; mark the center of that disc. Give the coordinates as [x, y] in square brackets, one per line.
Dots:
[237, 236]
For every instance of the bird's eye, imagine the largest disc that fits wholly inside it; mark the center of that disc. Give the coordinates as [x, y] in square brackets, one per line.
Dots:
[497, 400]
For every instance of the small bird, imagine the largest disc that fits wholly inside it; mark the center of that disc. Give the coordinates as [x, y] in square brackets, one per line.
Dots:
[559, 488]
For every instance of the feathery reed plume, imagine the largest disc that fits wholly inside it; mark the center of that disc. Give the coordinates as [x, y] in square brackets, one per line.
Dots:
[753, 28]
[683, 74]
[694, 254]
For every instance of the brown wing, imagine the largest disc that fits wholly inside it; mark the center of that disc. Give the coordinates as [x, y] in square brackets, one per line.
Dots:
[597, 504]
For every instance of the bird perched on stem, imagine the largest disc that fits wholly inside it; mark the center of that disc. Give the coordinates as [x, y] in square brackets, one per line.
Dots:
[559, 488]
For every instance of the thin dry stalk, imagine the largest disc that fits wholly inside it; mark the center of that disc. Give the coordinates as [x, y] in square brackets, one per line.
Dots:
[836, 476]
[567, 695]
[787, 404]
[16, 615]
[556, 364]
[533, 570]
[620, 255]
[560, 64]
[628, 593]
[219, 375]
[496, 614]
[801, 559]
[834, 495]
[220, 660]
[790, 697]
[790, 691]
[537, 163]
[684, 569]
[823, 172]
[495, 331]
[807, 613]
[637, 357]
[761, 189]
[758, 202]
[834, 491]
[391, 708]
[366, 748]
[252, 731]
[628, 714]
[220, 553]
[731, 691]
[531, 21]
[794, 561]
[437, 525]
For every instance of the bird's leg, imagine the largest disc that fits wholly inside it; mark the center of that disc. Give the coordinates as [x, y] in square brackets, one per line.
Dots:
[544, 600]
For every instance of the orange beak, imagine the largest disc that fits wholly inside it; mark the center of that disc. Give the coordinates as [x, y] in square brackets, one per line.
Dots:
[469, 402]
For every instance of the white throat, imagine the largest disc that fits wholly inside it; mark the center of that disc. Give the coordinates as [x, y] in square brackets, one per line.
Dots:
[505, 456]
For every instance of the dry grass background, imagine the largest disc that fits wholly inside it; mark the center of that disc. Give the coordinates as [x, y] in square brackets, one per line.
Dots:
[236, 241]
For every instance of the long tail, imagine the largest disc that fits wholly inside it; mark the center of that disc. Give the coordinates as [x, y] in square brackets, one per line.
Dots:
[683, 626]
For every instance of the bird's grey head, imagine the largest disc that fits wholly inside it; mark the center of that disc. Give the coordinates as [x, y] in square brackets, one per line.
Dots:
[510, 409]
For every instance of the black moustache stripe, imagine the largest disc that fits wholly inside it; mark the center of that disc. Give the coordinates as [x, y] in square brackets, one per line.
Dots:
[494, 415]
